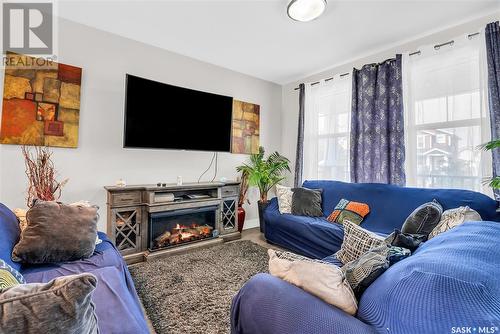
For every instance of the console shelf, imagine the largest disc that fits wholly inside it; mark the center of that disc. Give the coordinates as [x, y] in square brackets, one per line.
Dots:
[131, 208]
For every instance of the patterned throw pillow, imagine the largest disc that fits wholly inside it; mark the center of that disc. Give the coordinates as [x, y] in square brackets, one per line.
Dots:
[319, 278]
[366, 269]
[284, 195]
[354, 212]
[357, 241]
[9, 276]
[361, 273]
[454, 217]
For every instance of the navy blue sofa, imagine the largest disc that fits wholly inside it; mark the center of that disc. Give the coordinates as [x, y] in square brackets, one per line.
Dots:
[117, 305]
[450, 283]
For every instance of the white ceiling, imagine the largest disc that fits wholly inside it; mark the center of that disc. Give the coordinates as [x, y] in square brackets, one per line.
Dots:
[257, 38]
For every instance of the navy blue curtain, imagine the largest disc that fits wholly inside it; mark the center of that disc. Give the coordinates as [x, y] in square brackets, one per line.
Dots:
[299, 156]
[377, 124]
[493, 56]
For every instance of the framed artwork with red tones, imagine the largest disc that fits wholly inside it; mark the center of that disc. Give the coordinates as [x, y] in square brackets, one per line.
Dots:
[41, 106]
[245, 128]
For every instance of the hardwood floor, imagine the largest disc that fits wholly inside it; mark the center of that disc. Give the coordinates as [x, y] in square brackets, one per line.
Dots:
[254, 235]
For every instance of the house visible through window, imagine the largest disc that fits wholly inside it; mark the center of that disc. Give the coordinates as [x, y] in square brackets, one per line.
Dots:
[445, 118]
[326, 130]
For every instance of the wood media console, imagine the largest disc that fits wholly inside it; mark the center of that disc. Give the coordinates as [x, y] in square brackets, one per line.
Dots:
[146, 221]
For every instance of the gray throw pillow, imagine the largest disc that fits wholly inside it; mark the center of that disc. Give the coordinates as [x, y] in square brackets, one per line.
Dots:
[363, 271]
[61, 306]
[56, 233]
[307, 202]
[423, 219]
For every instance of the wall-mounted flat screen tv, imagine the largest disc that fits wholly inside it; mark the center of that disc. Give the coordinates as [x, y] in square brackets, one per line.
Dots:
[158, 115]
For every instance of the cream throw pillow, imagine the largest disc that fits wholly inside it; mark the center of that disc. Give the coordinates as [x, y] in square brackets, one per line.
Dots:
[321, 279]
[284, 195]
[454, 217]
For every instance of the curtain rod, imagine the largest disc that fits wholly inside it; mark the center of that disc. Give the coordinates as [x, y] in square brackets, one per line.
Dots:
[327, 79]
[418, 52]
[438, 46]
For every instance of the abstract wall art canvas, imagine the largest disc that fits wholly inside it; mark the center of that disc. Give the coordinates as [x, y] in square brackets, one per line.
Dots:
[245, 128]
[41, 106]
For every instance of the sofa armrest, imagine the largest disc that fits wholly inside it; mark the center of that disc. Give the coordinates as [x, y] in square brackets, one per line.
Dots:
[269, 305]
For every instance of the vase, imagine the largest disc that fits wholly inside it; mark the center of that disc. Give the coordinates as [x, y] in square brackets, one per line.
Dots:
[241, 218]
[262, 207]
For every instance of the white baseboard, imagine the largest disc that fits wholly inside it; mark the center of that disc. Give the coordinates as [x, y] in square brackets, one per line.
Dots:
[251, 223]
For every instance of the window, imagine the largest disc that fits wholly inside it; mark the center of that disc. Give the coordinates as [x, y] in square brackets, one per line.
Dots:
[326, 130]
[445, 104]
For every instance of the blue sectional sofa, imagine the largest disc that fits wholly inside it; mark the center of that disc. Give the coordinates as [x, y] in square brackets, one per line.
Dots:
[117, 304]
[449, 284]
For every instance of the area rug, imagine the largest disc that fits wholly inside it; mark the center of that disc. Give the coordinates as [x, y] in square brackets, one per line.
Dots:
[192, 293]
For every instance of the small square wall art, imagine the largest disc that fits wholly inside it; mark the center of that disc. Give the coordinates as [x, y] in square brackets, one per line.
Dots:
[245, 128]
[41, 106]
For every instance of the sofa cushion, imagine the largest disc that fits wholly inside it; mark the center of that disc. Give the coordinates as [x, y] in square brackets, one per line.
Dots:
[306, 202]
[423, 219]
[352, 211]
[117, 305]
[450, 280]
[57, 232]
[453, 217]
[9, 235]
[314, 237]
[321, 279]
[62, 305]
[357, 241]
[9, 276]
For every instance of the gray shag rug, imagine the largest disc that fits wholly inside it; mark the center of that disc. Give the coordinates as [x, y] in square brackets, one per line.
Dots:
[192, 292]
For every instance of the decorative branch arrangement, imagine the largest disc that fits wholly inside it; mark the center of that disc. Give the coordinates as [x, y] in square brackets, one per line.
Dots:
[41, 173]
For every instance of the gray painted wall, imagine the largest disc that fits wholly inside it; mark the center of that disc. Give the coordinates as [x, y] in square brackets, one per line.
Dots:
[100, 158]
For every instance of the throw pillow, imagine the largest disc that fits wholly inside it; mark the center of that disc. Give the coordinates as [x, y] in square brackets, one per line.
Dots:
[319, 278]
[56, 233]
[9, 276]
[423, 219]
[284, 195]
[62, 305]
[363, 271]
[357, 241]
[396, 254]
[454, 217]
[21, 218]
[405, 240]
[354, 212]
[307, 202]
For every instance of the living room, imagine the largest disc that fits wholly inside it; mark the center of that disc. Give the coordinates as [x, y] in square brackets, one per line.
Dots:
[282, 166]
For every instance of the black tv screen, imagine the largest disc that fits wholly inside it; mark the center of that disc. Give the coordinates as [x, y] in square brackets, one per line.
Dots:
[159, 115]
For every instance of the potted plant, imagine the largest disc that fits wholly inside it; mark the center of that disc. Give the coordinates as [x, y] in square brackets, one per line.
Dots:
[493, 182]
[242, 198]
[264, 174]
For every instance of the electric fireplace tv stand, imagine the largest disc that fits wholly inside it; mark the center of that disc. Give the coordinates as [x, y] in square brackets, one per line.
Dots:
[146, 221]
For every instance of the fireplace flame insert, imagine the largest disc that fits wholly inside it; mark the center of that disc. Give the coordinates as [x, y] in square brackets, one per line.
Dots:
[172, 228]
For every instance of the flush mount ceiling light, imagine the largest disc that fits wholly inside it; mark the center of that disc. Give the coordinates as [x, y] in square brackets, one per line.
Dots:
[305, 10]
